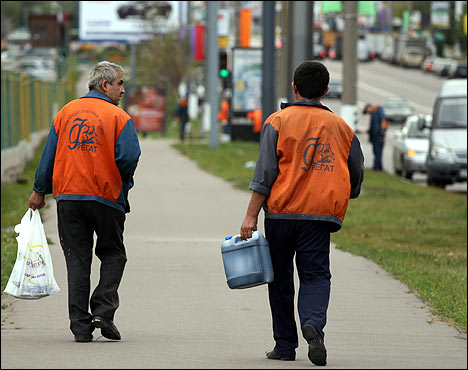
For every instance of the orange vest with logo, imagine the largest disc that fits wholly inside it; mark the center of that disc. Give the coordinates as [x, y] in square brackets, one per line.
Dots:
[88, 129]
[311, 177]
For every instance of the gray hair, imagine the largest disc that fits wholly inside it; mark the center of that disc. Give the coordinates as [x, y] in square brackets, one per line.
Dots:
[103, 71]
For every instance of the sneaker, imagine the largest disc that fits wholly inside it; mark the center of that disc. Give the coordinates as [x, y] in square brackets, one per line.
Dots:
[317, 352]
[108, 328]
[272, 355]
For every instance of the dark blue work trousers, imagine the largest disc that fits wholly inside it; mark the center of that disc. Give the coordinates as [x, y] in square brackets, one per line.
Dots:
[77, 223]
[377, 147]
[310, 242]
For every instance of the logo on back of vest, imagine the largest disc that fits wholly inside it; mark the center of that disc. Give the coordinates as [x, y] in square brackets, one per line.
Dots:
[318, 156]
[82, 136]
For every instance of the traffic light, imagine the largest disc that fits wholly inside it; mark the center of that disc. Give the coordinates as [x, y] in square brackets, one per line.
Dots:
[223, 71]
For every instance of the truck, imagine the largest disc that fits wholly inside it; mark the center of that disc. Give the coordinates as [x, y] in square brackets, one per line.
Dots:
[403, 50]
[409, 52]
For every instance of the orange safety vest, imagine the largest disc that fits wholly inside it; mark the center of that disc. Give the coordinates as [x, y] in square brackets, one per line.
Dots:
[310, 178]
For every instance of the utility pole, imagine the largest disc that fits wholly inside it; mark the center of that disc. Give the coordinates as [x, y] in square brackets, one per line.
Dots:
[349, 107]
[310, 30]
[298, 54]
[268, 56]
[212, 63]
[284, 63]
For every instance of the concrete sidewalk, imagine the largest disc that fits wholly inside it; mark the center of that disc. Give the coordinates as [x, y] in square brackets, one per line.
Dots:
[177, 311]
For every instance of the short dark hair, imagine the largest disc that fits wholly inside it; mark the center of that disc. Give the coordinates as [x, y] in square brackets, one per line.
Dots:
[364, 111]
[311, 79]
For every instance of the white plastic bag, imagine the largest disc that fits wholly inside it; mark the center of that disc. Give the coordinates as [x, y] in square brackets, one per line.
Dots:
[32, 276]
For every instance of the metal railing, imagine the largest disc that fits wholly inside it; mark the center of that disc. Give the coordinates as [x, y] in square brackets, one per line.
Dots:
[28, 105]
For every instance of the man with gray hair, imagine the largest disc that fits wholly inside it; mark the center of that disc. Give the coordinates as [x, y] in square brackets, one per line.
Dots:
[88, 163]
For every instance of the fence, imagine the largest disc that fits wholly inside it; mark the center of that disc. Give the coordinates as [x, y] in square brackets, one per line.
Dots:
[28, 106]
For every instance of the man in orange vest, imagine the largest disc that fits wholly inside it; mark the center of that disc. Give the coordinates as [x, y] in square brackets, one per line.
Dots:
[309, 165]
[256, 117]
[88, 163]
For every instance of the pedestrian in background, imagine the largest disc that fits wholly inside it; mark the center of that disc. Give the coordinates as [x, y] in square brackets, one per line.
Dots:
[377, 128]
[223, 118]
[310, 164]
[88, 162]
[181, 115]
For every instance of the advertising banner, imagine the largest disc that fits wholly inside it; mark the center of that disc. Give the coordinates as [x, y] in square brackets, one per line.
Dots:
[126, 21]
[147, 107]
[246, 79]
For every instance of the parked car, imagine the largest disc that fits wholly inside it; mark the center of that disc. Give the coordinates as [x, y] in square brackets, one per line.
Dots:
[11, 58]
[335, 89]
[428, 64]
[438, 64]
[447, 66]
[412, 57]
[446, 159]
[396, 109]
[319, 51]
[41, 68]
[458, 70]
[442, 66]
[411, 146]
[363, 51]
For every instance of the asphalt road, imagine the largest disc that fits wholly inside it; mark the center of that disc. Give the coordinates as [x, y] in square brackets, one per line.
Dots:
[378, 80]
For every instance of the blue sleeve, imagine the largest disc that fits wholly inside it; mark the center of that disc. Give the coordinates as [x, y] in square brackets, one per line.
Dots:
[127, 152]
[45, 170]
[355, 167]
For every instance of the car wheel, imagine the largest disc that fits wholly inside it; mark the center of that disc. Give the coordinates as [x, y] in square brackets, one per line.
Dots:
[395, 168]
[432, 182]
[407, 174]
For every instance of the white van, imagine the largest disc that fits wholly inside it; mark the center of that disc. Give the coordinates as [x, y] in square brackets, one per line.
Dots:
[446, 160]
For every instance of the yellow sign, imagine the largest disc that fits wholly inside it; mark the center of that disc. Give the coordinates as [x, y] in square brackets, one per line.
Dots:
[223, 41]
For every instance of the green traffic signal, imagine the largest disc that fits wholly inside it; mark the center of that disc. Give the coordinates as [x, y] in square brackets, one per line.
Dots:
[224, 73]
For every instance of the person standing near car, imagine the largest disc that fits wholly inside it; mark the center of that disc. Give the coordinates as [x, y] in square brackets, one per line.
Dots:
[88, 163]
[377, 128]
[310, 164]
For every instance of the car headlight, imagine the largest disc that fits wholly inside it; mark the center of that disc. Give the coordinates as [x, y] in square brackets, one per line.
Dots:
[439, 152]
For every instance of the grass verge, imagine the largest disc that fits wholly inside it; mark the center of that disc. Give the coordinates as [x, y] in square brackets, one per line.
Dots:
[418, 234]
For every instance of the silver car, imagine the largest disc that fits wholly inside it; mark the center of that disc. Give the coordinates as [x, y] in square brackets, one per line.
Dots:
[397, 109]
[411, 146]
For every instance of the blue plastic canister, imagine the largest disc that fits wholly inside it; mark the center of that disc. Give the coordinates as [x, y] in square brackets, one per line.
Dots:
[247, 263]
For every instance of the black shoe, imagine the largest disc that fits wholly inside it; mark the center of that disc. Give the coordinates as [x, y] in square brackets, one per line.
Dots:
[317, 352]
[83, 338]
[108, 329]
[272, 355]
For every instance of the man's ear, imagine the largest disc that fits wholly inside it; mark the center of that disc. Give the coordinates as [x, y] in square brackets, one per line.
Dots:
[294, 87]
[104, 85]
[325, 92]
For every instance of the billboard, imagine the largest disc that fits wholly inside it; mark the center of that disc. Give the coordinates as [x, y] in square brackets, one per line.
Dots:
[246, 79]
[440, 14]
[127, 21]
[147, 107]
[247, 75]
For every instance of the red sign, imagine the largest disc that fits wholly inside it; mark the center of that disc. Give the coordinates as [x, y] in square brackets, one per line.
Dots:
[199, 42]
[147, 107]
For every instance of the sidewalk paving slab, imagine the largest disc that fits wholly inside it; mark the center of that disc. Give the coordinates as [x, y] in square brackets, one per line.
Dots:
[176, 310]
